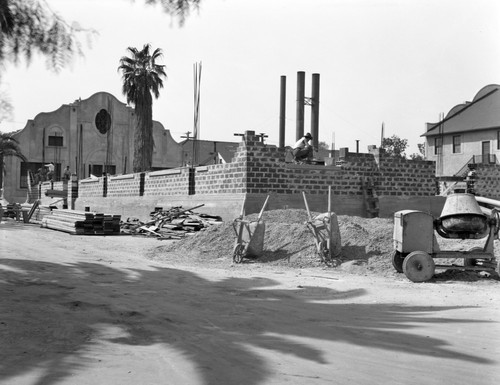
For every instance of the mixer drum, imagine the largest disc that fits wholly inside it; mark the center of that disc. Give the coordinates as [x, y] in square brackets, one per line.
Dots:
[463, 226]
[462, 218]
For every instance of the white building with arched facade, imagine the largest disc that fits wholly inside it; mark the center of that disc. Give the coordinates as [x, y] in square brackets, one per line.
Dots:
[91, 136]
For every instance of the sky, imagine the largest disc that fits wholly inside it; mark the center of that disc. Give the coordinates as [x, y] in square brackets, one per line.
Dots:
[397, 63]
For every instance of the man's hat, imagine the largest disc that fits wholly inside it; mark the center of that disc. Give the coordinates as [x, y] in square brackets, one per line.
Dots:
[308, 136]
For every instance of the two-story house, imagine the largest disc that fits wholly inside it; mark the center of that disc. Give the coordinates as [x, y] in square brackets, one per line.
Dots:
[469, 133]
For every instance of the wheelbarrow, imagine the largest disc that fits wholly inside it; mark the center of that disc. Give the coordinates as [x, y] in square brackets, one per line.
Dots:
[249, 236]
[325, 229]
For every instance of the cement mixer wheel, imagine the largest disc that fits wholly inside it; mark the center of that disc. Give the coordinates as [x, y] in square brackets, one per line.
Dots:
[397, 260]
[419, 266]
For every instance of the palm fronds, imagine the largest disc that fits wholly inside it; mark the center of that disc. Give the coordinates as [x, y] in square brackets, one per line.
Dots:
[142, 79]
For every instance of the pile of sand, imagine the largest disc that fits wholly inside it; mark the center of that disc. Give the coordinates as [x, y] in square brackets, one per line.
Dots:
[367, 246]
[366, 243]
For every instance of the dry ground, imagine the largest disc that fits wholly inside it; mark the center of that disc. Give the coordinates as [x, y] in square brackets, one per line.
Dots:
[135, 310]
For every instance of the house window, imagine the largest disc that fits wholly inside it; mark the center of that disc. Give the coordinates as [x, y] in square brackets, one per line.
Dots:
[438, 146]
[457, 144]
[56, 141]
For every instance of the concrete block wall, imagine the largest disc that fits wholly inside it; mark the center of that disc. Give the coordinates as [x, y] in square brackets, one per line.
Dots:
[267, 172]
[258, 170]
[229, 178]
[123, 185]
[72, 192]
[488, 181]
[167, 182]
[405, 177]
[91, 188]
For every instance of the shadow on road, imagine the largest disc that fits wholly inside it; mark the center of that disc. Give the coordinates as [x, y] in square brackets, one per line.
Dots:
[192, 315]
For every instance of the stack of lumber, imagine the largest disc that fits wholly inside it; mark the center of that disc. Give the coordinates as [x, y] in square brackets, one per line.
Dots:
[38, 212]
[82, 222]
[174, 223]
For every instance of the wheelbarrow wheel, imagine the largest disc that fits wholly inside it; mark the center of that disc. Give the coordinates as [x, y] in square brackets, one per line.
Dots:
[419, 266]
[238, 253]
[323, 252]
[397, 260]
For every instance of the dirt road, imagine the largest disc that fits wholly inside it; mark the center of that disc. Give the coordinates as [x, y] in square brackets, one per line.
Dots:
[96, 310]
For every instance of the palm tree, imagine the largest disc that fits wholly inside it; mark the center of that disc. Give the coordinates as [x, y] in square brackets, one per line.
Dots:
[142, 78]
[9, 146]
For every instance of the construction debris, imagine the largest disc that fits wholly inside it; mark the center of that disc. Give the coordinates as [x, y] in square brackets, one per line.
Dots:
[174, 223]
[82, 222]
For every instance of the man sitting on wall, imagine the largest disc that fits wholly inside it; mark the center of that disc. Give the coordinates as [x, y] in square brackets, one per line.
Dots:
[303, 151]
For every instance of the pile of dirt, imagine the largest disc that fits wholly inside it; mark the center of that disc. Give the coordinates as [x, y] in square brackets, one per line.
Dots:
[366, 243]
[367, 246]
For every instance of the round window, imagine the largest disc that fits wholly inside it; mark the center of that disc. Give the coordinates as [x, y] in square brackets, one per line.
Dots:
[103, 121]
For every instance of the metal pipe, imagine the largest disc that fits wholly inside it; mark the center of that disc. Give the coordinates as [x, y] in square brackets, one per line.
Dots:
[315, 110]
[282, 112]
[488, 201]
[299, 131]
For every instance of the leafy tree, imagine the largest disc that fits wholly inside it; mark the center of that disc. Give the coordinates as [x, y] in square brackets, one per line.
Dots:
[395, 146]
[323, 146]
[142, 78]
[421, 154]
[421, 149]
[29, 27]
[177, 8]
[9, 146]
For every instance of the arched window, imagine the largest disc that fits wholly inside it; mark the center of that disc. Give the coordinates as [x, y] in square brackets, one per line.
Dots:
[55, 137]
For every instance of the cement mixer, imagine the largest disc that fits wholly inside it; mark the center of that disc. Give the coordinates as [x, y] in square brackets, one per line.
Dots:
[416, 238]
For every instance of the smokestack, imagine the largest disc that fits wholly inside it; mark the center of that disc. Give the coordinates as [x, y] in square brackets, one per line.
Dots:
[315, 110]
[282, 112]
[301, 77]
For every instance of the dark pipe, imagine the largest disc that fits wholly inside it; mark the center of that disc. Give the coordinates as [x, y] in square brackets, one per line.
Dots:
[315, 110]
[282, 112]
[301, 77]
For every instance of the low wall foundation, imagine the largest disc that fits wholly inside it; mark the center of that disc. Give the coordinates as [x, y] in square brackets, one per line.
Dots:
[258, 170]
